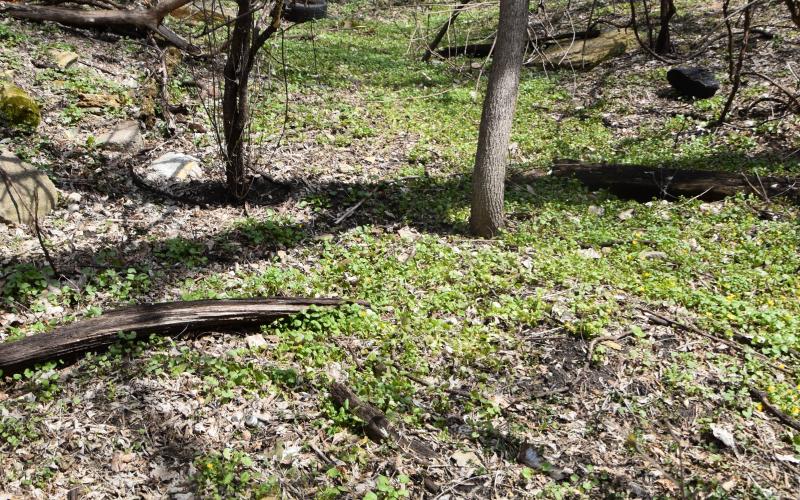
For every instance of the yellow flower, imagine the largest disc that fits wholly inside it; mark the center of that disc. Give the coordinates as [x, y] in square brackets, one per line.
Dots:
[759, 407]
[795, 411]
[771, 388]
[209, 465]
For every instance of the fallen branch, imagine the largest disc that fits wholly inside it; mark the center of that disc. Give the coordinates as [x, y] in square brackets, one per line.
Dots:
[160, 319]
[443, 30]
[786, 419]
[376, 426]
[643, 183]
[661, 319]
[127, 22]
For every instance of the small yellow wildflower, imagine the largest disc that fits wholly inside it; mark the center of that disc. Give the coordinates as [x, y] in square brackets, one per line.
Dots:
[795, 411]
[209, 465]
[759, 407]
[771, 388]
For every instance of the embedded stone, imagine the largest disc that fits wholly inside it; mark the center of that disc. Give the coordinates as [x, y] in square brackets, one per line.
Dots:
[174, 167]
[124, 136]
[26, 193]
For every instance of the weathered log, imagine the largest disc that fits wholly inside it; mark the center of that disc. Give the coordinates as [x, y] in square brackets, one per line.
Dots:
[126, 22]
[484, 49]
[644, 183]
[167, 318]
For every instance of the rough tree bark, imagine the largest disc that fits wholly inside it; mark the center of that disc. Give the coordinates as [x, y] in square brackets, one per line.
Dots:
[794, 11]
[234, 101]
[487, 216]
[244, 46]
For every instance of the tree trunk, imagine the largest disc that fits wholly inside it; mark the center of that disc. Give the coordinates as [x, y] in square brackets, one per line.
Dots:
[234, 101]
[794, 11]
[499, 105]
[663, 42]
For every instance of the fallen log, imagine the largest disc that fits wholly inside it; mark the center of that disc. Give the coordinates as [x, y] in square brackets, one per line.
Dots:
[484, 49]
[644, 183]
[122, 21]
[166, 318]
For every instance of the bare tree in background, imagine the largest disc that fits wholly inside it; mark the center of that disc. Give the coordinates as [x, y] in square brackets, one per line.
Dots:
[488, 179]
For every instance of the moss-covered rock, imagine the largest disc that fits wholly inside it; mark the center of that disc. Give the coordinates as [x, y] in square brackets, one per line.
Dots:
[17, 108]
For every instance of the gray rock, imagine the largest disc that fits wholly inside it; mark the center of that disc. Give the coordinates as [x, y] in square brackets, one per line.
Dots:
[651, 255]
[625, 214]
[174, 167]
[251, 421]
[595, 210]
[26, 194]
[125, 136]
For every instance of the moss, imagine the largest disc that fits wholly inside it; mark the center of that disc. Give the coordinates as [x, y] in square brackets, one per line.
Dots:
[17, 108]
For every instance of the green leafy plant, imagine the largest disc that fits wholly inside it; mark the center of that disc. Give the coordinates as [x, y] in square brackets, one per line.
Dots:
[231, 474]
[184, 252]
[24, 282]
[385, 488]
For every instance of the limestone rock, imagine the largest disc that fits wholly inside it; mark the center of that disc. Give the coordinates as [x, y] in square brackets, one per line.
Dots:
[124, 136]
[693, 81]
[17, 108]
[26, 194]
[63, 58]
[98, 101]
[584, 54]
[174, 167]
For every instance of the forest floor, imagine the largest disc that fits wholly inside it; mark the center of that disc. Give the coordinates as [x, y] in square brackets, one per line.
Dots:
[482, 349]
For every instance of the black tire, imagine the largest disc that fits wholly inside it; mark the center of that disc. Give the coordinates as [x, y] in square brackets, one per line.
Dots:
[301, 11]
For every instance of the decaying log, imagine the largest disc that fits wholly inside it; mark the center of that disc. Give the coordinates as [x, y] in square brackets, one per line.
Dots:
[376, 426]
[167, 318]
[127, 22]
[644, 183]
[484, 49]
